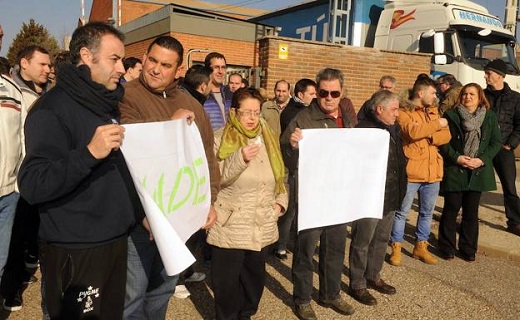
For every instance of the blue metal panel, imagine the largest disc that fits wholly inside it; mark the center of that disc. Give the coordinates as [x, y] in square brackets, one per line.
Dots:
[294, 24]
[365, 9]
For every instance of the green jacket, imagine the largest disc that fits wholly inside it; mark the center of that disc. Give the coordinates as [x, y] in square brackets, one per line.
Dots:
[457, 178]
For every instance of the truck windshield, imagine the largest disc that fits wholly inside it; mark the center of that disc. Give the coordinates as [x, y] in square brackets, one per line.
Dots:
[479, 50]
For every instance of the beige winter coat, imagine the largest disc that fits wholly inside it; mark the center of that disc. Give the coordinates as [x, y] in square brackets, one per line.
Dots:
[246, 217]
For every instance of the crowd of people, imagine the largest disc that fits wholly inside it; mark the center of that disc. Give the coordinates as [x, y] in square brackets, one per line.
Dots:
[69, 205]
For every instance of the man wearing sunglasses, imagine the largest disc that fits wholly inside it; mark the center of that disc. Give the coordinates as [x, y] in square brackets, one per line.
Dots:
[323, 112]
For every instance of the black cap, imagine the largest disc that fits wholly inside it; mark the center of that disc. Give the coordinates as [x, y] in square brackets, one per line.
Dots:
[498, 66]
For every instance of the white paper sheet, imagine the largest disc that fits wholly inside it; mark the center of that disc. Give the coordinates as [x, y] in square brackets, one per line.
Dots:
[342, 175]
[169, 167]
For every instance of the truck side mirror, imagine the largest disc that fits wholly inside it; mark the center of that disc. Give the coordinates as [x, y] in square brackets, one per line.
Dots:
[440, 59]
[438, 43]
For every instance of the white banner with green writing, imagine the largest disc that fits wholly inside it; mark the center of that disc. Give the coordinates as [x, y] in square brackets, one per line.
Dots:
[169, 167]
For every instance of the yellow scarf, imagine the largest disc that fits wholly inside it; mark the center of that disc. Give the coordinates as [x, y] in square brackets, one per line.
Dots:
[235, 136]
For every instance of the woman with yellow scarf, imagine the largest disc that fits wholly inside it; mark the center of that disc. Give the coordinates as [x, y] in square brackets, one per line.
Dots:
[251, 199]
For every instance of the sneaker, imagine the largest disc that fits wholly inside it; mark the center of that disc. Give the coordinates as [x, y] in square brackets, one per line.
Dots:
[31, 262]
[196, 277]
[280, 254]
[13, 304]
[305, 312]
[339, 305]
[181, 292]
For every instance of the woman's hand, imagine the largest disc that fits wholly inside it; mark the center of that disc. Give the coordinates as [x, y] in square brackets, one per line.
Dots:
[470, 163]
[463, 161]
[475, 163]
[210, 219]
[249, 152]
[278, 209]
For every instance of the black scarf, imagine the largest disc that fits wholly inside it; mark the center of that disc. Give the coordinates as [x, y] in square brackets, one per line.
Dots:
[194, 93]
[77, 83]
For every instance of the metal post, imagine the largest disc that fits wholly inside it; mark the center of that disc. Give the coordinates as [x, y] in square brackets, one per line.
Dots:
[511, 16]
[339, 21]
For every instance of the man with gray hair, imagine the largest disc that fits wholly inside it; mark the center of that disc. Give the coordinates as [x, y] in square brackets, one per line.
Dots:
[324, 112]
[369, 235]
[386, 83]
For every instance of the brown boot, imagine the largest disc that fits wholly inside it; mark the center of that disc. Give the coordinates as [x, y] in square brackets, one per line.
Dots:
[395, 257]
[420, 251]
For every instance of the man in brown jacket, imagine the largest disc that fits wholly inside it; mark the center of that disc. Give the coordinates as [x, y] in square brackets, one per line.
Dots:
[156, 97]
[450, 89]
[423, 131]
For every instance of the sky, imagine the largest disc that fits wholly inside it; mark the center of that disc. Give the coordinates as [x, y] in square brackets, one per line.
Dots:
[60, 17]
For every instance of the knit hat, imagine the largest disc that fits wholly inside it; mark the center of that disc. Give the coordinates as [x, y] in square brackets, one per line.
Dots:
[498, 66]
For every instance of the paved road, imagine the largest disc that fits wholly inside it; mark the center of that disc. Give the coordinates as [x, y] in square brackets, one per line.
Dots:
[486, 289]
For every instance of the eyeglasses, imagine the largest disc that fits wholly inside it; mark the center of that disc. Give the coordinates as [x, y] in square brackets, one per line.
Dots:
[249, 113]
[324, 93]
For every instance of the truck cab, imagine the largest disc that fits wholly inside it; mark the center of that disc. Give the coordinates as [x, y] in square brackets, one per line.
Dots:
[461, 36]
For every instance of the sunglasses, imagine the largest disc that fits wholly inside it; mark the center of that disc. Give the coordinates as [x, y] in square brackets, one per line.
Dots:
[324, 94]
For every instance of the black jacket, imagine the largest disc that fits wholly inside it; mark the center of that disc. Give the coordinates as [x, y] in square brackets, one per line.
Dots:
[194, 93]
[289, 112]
[312, 117]
[506, 105]
[395, 186]
[83, 202]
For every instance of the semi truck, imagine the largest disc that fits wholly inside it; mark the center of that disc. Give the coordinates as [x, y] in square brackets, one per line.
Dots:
[461, 35]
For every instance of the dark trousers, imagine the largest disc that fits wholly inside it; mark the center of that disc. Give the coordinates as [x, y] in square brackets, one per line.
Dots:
[504, 163]
[198, 238]
[331, 256]
[285, 222]
[24, 239]
[368, 249]
[468, 233]
[85, 283]
[238, 278]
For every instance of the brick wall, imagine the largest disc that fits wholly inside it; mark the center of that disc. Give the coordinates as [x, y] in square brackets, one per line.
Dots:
[132, 10]
[362, 66]
[239, 53]
[100, 11]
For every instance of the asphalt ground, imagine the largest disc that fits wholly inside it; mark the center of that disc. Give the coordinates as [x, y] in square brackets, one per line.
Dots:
[485, 289]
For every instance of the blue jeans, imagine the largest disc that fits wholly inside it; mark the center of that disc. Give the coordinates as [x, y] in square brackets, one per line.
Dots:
[428, 193]
[7, 211]
[148, 288]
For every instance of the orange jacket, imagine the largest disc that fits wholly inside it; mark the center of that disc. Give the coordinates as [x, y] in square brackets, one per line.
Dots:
[422, 134]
